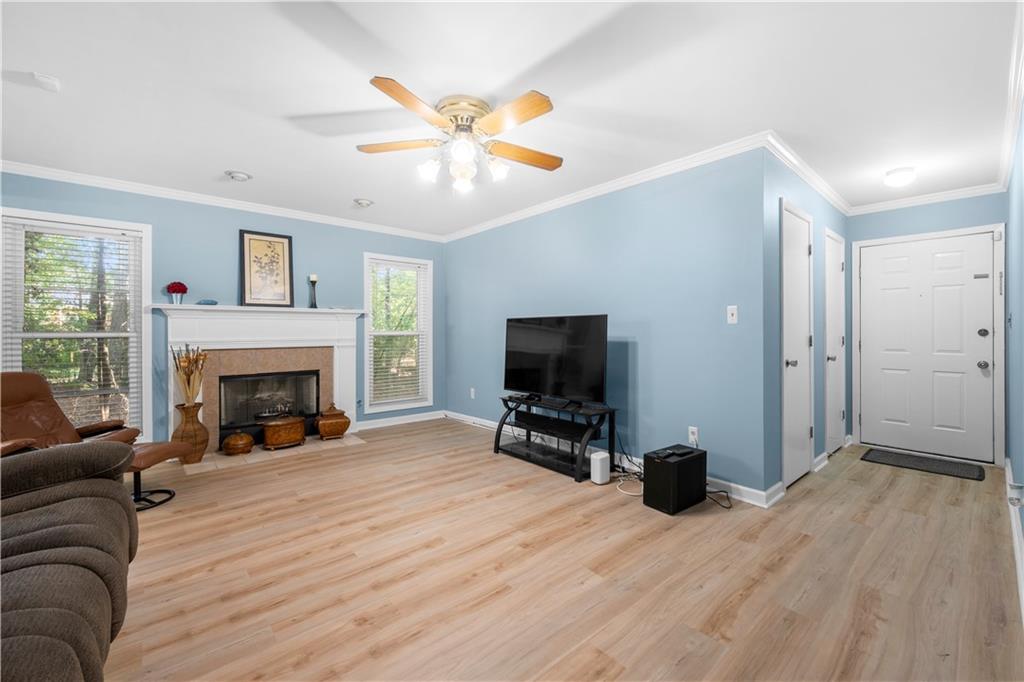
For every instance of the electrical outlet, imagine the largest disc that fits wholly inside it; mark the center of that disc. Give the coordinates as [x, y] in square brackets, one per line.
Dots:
[694, 436]
[472, 393]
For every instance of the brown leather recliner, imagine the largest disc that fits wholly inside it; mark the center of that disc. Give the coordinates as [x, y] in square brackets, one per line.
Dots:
[30, 418]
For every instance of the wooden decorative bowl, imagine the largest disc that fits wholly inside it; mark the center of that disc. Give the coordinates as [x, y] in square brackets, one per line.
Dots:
[238, 443]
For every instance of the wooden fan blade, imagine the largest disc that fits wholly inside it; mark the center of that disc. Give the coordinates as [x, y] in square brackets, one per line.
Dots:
[531, 157]
[514, 113]
[400, 94]
[398, 146]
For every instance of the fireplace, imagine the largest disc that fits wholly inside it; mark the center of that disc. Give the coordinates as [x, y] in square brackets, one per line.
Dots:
[248, 400]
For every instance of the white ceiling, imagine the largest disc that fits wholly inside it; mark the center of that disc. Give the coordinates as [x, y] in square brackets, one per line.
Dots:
[174, 94]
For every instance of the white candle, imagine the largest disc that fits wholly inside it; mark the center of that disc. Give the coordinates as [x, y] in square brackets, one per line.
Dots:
[313, 277]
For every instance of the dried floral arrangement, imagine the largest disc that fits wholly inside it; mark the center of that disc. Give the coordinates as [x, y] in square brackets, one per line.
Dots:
[188, 367]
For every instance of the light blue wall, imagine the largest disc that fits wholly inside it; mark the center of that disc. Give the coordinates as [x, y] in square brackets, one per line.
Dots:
[1015, 315]
[782, 183]
[198, 244]
[944, 215]
[663, 260]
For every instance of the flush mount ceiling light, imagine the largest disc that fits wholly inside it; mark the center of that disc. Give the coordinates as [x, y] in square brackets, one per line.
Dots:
[362, 203]
[468, 122]
[900, 177]
[238, 176]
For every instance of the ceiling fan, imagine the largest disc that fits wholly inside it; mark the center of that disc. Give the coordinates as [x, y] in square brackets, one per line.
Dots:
[468, 122]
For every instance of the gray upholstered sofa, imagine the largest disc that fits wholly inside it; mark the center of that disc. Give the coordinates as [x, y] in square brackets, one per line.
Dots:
[67, 531]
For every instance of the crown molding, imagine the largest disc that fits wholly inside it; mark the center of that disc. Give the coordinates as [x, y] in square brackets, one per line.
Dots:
[785, 153]
[744, 144]
[767, 139]
[1015, 98]
[58, 175]
[934, 198]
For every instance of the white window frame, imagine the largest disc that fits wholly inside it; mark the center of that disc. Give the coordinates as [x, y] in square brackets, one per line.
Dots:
[145, 231]
[424, 317]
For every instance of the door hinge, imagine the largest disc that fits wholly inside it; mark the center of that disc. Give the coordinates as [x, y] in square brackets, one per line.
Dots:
[810, 340]
[810, 249]
[858, 419]
[842, 340]
[858, 345]
[812, 432]
[842, 414]
[842, 267]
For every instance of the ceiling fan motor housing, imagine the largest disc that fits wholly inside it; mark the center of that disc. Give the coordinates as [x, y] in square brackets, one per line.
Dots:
[462, 110]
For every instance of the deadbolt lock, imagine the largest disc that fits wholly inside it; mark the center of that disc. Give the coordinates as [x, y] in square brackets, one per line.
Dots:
[982, 332]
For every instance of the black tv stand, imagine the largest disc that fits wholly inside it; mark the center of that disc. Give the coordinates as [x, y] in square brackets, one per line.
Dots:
[573, 421]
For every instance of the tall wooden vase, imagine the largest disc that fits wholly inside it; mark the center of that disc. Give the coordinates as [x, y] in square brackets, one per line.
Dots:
[192, 432]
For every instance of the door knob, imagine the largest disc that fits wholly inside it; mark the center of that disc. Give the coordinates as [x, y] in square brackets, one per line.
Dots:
[830, 358]
[982, 332]
[791, 363]
[983, 364]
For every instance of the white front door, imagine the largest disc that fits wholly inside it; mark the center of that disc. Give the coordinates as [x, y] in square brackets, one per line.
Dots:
[926, 324]
[797, 419]
[835, 342]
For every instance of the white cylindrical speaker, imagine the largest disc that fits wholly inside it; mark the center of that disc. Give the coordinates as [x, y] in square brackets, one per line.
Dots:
[600, 468]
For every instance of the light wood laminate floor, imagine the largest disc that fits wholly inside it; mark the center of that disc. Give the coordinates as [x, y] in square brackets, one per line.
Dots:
[422, 556]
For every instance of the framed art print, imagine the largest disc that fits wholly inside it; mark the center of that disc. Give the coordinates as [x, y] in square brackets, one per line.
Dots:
[266, 269]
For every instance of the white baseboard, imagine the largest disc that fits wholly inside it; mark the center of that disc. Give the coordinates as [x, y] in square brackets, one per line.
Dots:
[759, 498]
[848, 440]
[1018, 536]
[365, 423]
[820, 462]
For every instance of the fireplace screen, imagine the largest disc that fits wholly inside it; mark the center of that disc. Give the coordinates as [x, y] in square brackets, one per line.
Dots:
[249, 399]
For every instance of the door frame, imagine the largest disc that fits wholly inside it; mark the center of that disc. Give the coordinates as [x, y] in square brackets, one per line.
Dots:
[843, 354]
[998, 231]
[785, 206]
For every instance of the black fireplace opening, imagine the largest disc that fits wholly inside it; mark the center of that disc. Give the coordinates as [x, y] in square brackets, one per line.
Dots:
[248, 400]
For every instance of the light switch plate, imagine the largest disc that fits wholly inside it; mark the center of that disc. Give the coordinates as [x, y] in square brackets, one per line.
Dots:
[732, 314]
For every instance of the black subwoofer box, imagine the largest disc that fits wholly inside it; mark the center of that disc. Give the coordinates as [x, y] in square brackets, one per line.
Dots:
[675, 478]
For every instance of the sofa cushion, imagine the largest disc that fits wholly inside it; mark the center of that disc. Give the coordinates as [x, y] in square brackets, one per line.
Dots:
[50, 633]
[72, 594]
[37, 657]
[64, 504]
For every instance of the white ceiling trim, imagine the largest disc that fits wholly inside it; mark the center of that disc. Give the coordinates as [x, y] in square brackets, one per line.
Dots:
[1015, 100]
[920, 200]
[768, 139]
[707, 156]
[58, 175]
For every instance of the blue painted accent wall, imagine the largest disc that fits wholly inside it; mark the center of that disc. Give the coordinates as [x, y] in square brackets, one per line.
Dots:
[782, 183]
[198, 244]
[663, 259]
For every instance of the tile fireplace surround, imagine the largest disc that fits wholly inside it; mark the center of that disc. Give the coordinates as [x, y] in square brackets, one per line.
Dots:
[249, 339]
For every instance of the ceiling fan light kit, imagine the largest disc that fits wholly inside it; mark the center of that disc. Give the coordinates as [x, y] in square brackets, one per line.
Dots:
[468, 122]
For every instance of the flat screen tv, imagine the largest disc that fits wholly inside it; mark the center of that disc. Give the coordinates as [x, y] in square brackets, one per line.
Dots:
[563, 357]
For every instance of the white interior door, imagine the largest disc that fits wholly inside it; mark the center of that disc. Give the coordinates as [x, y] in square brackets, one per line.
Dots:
[835, 342]
[797, 417]
[927, 352]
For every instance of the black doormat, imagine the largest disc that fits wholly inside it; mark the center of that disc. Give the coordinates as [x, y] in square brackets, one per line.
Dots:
[946, 467]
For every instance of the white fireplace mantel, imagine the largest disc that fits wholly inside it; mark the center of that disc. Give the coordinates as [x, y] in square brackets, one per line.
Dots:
[232, 326]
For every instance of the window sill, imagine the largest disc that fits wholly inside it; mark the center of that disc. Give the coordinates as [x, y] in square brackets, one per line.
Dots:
[398, 406]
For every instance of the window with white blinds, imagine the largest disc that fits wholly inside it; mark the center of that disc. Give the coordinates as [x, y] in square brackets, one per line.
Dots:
[72, 311]
[399, 305]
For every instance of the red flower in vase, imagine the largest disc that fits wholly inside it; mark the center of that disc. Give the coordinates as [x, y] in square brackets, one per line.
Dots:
[177, 288]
